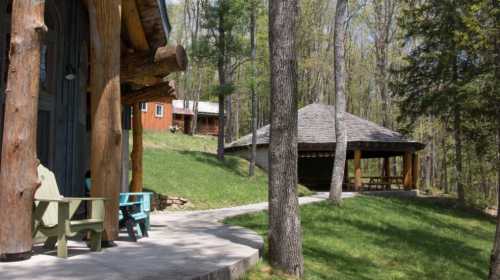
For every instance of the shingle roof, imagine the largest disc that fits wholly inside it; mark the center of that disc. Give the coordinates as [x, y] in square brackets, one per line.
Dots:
[316, 125]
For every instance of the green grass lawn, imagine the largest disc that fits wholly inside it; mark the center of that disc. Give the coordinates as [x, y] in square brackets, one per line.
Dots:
[387, 238]
[186, 166]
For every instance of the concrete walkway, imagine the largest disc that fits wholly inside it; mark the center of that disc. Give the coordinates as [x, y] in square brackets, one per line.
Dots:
[182, 245]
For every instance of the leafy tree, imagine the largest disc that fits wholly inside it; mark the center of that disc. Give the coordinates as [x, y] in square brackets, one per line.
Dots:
[438, 68]
[223, 44]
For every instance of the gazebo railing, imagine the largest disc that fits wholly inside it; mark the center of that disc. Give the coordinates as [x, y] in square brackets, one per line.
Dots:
[377, 182]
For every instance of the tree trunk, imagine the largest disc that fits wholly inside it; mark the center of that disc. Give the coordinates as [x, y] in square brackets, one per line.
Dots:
[220, 140]
[458, 156]
[495, 253]
[285, 241]
[221, 68]
[229, 120]
[253, 47]
[105, 158]
[18, 176]
[137, 150]
[340, 128]
[384, 13]
[445, 162]
[194, 127]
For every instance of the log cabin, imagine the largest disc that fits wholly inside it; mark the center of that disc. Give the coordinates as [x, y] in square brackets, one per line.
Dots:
[207, 117]
[158, 115]
[70, 73]
[316, 145]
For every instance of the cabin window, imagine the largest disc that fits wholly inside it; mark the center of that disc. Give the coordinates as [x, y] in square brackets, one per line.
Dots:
[159, 111]
[144, 107]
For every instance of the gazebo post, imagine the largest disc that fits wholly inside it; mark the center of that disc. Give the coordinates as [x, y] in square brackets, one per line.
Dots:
[407, 170]
[415, 170]
[387, 170]
[346, 173]
[357, 170]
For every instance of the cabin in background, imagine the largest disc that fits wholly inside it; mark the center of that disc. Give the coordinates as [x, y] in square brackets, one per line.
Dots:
[207, 117]
[157, 116]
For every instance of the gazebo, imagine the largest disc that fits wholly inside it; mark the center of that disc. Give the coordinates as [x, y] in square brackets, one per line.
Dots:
[316, 144]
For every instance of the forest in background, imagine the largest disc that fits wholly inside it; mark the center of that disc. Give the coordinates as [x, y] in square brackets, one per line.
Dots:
[381, 49]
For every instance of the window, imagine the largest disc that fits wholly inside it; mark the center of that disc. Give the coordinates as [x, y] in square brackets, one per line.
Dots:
[159, 111]
[144, 107]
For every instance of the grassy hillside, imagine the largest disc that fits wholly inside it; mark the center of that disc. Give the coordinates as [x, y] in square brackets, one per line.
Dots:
[377, 238]
[181, 165]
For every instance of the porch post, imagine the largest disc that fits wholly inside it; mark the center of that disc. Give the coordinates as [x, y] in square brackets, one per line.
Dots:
[407, 170]
[357, 170]
[18, 176]
[106, 135]
[137, 150]
[415, 170]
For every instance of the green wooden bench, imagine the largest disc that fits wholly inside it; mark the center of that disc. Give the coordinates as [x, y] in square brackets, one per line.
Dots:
[53, 216]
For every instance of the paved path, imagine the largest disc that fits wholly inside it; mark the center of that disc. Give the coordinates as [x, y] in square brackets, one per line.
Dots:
[182, 245]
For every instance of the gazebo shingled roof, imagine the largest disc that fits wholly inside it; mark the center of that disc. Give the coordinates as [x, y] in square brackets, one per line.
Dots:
[316, 132]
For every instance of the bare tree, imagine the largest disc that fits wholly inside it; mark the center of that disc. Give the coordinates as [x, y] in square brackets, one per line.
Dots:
[285, 241]
[383, 29]
[253, 46]
[340, 128]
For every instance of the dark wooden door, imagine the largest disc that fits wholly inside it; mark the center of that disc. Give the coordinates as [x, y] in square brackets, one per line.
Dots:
[49, 65]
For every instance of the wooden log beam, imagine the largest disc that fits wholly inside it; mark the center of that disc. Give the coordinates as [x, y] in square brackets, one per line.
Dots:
[133, 25]
[106, 134]
[143, 69]
[18, 176]
[407, 170]
[150, 14]
[137, 150]
[415, 170]
[358, 184]
[148, 94]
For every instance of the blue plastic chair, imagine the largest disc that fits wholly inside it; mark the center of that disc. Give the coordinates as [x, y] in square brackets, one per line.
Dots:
[141, 202]
[140, 208]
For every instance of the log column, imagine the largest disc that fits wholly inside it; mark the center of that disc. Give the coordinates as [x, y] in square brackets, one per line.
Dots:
[18, 176]
[106, 135]
[415, 170]
[358, 184]
[407, 171]
[137, 150]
